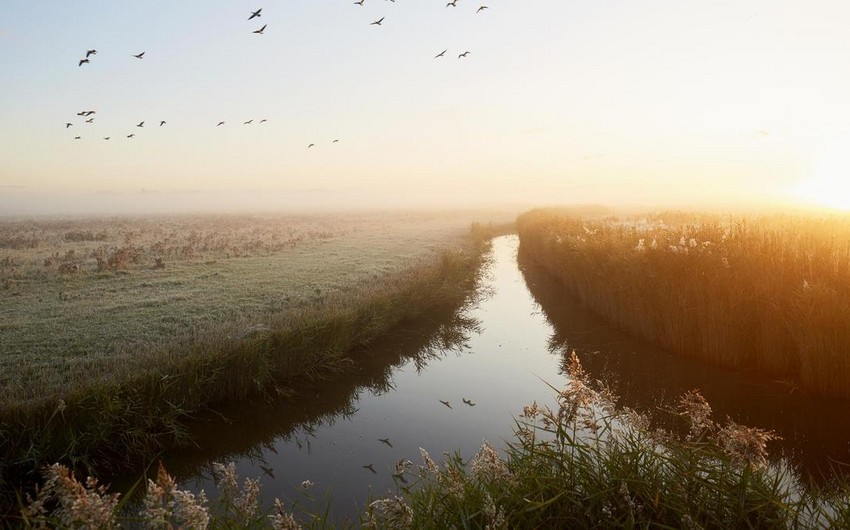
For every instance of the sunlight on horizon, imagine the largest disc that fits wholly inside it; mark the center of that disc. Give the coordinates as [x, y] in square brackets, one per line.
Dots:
[620, 103]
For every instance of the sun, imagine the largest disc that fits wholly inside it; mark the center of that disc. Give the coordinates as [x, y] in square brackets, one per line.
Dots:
[828, 184]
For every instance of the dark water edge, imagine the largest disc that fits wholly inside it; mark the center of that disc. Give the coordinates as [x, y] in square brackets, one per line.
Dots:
[815, 431]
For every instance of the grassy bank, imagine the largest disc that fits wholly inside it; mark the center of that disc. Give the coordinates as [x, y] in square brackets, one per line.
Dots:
[770, 294]
[122, 420]
[585, 463]
[582, 463]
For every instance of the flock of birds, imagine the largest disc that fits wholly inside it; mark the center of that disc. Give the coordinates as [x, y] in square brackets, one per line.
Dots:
[400, 465]
[88, 114]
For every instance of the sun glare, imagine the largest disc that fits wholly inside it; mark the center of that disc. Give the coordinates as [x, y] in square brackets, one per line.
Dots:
[829, 182]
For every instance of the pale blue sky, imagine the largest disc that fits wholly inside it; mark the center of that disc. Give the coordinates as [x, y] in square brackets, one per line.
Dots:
[560, 100]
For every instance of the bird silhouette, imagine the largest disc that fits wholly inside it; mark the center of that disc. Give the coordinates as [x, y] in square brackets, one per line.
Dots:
[371, 468]
[311, 145]
[453, 3]
[360, 3]
[255, 14]
[83, 61]
[219, 124]
[83, 113]
[482, 8]
[69, 125]
[335, 141]
[141, 124]
[90, 120]
[377, 22]
[107, 137]
[268, 471]
[385, 441]
[76, 137]
[260, 31]
[161, 123]
[446, 403]
[130, 135]
[140, 56]
[468, 402]
[464, 54]
[91, 52]
[249, 122]
[442, 53]
[263, 120]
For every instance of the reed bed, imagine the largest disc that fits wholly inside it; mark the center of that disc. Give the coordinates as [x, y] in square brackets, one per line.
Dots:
[769, 293]
[586, 463]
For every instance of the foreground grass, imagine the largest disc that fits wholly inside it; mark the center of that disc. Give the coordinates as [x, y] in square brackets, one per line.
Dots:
[585, 463]
[770, 294]
[124, 420]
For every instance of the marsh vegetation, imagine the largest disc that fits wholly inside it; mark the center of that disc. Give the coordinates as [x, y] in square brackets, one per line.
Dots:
[770, 293]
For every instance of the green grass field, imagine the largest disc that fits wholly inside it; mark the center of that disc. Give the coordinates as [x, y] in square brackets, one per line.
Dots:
[104, 367]
[60, 328]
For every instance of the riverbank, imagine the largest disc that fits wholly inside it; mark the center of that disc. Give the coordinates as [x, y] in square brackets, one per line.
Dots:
[123, 421]
[767, 294]
[582, 463]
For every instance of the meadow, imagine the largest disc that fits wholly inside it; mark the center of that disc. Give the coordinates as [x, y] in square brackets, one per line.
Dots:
[763, 293]
[115, 332]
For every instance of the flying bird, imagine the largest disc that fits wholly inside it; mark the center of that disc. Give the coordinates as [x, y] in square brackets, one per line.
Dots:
[468, 402]
[85, 113]
[68, 125]
[140, 56]
[453, 3]
[360, 3]
[263, 120]
[130, 135]
[90, 120]
[377, 22]
[76, 137]
[260, 31]
[371, 468]
[335, 141]
[255, 14]
[311, 145]
[249, 122]
[482, 8]
[446, 403]
[141, 124]
[385, 441]
[268, 471]
[219, 124]
[161, 123]
[106, 137]
[91, 52]
[83, 61]
[464, 54]
[442, 53]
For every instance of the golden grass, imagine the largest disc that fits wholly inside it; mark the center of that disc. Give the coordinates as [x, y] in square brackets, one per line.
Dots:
[769, 293]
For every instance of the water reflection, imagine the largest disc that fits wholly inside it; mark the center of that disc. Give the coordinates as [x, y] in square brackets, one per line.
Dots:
[445, 385]
[815, 431]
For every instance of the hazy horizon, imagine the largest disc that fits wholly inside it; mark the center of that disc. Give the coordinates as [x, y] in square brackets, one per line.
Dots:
[689, 105]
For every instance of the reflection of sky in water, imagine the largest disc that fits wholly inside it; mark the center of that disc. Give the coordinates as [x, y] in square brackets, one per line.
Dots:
[503, 368]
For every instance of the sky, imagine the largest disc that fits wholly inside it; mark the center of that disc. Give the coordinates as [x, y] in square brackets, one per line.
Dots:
[655, 102]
